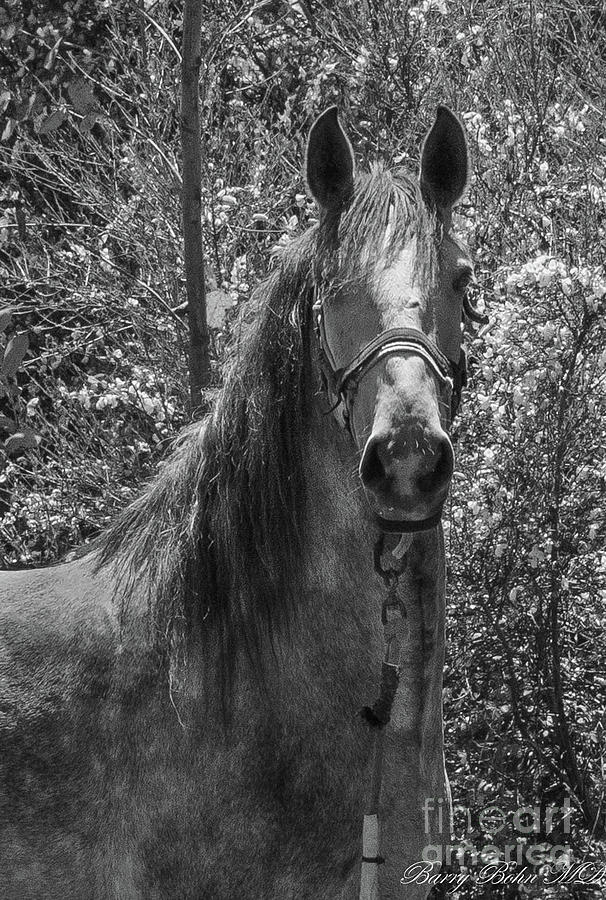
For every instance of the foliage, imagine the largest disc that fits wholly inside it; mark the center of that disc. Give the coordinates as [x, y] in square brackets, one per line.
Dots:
[92, 271]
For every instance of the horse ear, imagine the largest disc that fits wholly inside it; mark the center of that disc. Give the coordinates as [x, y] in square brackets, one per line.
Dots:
[329, 162]
[444, 160]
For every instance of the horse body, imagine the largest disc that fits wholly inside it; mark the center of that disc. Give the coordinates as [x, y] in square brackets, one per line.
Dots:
[179, 709]
[115, 787]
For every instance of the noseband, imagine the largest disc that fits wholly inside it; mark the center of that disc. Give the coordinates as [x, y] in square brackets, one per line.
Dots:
[341, 382]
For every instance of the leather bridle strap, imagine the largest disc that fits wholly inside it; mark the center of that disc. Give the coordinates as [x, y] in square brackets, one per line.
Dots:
[394, 340]
[341, 382]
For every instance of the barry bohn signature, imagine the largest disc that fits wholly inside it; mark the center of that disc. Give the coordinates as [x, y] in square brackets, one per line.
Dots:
[501, 873]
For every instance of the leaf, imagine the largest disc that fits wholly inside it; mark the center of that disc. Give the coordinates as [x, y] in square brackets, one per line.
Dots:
[52, 122]
[7, 424]
[26, 439]
[23, 110]
[15, 351]
[10, 126]
[87, 122]
[5, 99]
[217, 304]
[6, 315]
[81, 96]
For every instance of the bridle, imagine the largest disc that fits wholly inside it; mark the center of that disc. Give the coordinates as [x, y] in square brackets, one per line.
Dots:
[341, 382]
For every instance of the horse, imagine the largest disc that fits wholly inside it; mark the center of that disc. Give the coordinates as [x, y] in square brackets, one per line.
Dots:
[180, 705]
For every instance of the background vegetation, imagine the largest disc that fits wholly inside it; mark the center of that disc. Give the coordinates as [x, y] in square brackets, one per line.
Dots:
[93, 380]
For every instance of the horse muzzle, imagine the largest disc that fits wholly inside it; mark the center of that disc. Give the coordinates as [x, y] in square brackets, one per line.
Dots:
[406, 476]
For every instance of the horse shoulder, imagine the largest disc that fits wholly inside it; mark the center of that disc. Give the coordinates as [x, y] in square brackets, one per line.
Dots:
[53, 617]
[57, 645]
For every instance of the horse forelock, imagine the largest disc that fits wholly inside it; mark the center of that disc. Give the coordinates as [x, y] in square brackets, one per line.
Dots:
[386, 211]
[217, 540]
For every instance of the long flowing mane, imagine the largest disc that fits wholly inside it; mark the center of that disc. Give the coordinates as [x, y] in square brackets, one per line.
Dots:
[218, 537]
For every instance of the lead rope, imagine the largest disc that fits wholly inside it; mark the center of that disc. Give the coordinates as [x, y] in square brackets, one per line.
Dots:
[393, 617]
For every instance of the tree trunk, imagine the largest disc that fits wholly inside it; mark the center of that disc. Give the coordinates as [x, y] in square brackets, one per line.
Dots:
[199, 350]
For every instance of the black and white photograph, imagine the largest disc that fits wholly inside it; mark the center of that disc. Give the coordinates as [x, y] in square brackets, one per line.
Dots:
[302, 450]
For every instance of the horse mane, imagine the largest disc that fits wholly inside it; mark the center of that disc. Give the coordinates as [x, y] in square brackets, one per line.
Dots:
[218, 537]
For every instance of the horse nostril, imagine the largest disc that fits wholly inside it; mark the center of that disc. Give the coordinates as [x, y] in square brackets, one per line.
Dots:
[441, 469]
[372, 470]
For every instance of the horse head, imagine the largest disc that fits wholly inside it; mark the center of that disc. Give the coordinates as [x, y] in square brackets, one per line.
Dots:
[390, 284]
